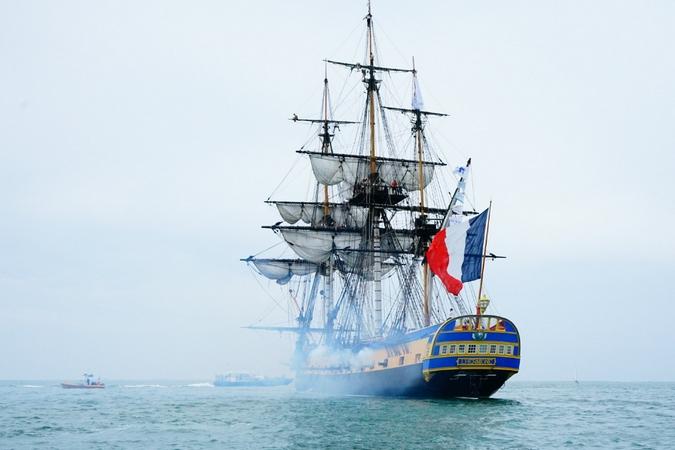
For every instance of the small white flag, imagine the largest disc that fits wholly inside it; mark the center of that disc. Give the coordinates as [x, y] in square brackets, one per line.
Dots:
[417, 100]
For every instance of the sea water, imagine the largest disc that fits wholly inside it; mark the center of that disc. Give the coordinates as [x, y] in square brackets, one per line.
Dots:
[197, 415]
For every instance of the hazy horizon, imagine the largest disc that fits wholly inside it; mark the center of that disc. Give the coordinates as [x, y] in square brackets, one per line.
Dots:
[138, 142]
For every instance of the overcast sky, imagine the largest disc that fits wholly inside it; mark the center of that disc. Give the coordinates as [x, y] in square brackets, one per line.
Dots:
[138, 141]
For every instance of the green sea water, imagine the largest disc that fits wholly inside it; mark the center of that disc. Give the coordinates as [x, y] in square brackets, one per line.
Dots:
[184, 415]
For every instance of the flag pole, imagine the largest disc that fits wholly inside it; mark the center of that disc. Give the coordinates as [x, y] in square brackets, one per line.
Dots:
[482, 266]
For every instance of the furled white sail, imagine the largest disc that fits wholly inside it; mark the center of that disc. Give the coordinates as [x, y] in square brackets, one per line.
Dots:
[343, 215]
[282, 270]
[334, 169]
[290, 212]
[277, 269]
[326, 169]
[316, 245]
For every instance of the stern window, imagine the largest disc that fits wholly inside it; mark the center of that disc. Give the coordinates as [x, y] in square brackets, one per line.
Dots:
[501, 349]
[493, 349]
[472, 348]
[461, 348]
[452, 348]
[483, 348]
[443, 349]
[509, 349]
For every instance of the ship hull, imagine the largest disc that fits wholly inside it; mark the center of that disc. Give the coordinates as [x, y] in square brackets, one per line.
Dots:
[82, 386]
[467, 356]
[408, 381]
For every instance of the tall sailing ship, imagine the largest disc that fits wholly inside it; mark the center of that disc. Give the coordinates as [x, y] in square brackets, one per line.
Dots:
[384, 267]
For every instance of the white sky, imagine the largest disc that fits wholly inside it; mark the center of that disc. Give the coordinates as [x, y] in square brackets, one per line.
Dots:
[138, 141]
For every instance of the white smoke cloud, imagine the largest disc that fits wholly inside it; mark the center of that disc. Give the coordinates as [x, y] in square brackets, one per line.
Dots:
[324, 356]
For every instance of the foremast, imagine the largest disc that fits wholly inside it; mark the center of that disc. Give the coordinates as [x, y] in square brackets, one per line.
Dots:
[326, 136]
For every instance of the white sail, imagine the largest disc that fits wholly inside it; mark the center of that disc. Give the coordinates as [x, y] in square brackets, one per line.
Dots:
[334, 169]
[278, 269]
[316, 245]
[406, 175]
[290, 212]
[327, 170]
[343, 215]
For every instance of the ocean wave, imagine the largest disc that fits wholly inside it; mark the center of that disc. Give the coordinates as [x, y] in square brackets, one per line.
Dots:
[199, 385]
[31, 386]
[144, 386]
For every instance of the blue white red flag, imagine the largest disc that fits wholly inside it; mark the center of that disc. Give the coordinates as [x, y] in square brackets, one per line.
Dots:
[456, 252]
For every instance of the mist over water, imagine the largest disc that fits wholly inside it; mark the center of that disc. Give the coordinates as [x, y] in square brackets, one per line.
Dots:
[164, 414]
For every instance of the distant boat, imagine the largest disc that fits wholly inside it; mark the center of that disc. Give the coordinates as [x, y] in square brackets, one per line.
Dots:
[88, 383]
[246, 379]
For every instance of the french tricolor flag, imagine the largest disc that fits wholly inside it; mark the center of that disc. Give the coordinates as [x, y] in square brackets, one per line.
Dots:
[456, 252]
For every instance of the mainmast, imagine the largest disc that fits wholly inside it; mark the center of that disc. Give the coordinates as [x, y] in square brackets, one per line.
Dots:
[372, 88]
[326, 146]
[374, 212]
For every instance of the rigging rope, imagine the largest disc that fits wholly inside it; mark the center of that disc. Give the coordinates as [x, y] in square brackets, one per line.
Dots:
[268, 248]
[298, 157]
[266, 292]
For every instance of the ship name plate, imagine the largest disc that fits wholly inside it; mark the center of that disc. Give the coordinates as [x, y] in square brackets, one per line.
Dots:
[476, 361]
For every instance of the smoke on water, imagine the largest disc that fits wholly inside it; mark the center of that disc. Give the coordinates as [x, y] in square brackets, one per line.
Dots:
[324, 356]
